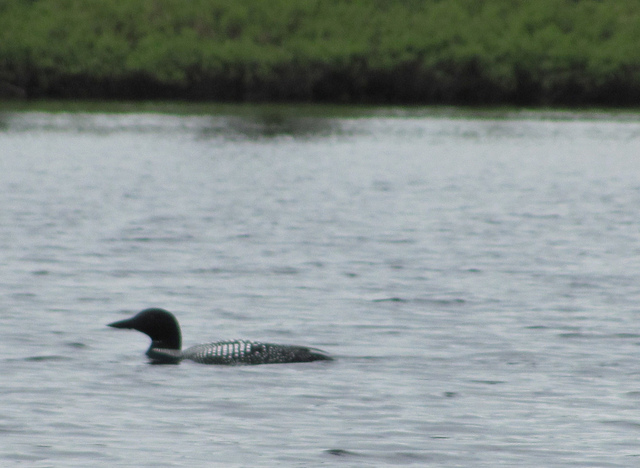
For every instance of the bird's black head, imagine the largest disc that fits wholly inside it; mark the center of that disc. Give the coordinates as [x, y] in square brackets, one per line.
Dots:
[161, 326]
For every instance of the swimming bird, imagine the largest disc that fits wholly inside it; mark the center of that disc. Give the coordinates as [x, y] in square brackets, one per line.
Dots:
[166, 343]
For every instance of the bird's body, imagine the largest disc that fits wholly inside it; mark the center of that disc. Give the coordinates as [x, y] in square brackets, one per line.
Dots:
[166, 342]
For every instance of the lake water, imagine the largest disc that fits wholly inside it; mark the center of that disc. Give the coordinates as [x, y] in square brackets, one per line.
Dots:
[477, 278]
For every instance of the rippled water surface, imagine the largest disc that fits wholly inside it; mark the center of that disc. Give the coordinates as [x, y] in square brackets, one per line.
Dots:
[477, 279]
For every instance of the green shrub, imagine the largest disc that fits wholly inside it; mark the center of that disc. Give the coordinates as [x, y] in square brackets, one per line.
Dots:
[453, 51]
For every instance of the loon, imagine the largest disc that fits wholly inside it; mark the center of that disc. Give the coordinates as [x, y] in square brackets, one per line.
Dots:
[166, 343]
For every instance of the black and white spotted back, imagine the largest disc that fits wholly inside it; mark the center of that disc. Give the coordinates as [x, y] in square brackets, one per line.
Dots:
[250, 352]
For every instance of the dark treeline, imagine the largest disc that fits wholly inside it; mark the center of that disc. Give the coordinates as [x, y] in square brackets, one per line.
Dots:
[543, 52]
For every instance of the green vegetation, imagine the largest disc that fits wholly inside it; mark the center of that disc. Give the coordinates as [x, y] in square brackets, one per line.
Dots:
[568, 52]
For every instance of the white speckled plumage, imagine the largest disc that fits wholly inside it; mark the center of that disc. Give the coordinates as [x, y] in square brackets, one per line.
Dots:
[166, 340]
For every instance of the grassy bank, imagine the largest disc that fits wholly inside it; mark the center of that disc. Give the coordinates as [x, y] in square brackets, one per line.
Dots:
[547, 52]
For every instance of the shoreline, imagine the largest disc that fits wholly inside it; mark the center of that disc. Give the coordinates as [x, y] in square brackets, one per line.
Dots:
[470, 53]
